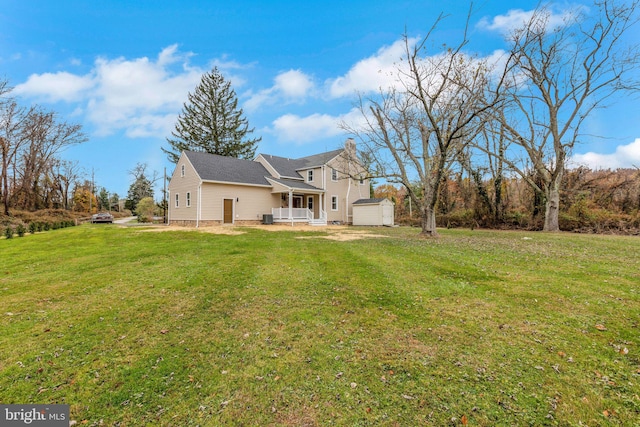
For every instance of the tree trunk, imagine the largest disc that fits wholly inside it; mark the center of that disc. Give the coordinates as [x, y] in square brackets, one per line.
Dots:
[552, 209]
[428, 222]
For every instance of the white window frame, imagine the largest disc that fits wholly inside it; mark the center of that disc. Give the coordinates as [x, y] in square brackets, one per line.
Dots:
[182, 169]
[310, 202]
[188, 199]
[310, 175]
[334, 203]
[334, 175]
[177, 200]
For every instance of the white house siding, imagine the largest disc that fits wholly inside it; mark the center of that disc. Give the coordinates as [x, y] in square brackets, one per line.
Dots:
[181, 185]
[249, 203]
[347, 189]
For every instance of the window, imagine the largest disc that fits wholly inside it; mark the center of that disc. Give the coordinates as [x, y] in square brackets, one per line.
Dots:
[310, 203]
[182, 170]
[309, 175]
[334, 175]
[177, 200]
[334, 203]
[188, 199]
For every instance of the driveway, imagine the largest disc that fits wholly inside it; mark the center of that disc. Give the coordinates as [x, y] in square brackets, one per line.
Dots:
[124, 220]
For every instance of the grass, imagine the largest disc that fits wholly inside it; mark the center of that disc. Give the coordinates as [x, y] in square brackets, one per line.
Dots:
[184, 328]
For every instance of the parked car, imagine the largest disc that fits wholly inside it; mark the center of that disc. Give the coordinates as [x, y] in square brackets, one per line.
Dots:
[102, 217]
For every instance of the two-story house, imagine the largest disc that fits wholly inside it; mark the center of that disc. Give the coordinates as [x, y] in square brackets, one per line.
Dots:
[208, 189]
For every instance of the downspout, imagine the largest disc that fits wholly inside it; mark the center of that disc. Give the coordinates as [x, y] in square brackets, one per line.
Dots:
[350, 178]
[199, 211]
[322, 197]
[168, 193]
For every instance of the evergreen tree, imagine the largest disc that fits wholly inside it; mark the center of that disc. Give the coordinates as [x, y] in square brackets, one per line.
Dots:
[141, 187]
[211, 122]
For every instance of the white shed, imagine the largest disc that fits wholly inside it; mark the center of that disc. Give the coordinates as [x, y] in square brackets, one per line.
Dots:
[373, 212]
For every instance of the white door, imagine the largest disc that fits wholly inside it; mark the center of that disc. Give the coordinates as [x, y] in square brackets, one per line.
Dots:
[387, 215]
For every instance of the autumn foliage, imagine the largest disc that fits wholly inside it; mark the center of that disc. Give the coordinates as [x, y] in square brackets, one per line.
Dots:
[593, 201]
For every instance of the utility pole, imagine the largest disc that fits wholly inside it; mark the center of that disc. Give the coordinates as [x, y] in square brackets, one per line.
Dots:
[164, 196]
[91, 193]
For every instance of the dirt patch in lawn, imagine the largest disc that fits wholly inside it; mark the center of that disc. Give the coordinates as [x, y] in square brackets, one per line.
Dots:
[341, 233]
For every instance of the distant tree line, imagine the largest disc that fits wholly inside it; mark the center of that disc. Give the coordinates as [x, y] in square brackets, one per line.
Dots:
[598, 201]
[33, 176]
[493, 119]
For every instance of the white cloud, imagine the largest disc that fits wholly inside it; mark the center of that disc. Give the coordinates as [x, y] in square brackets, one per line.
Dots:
[300, 130]
[292, 86]
[371, 74]
[517, 18]
[54, 87]
[625, 156]
[139, 96]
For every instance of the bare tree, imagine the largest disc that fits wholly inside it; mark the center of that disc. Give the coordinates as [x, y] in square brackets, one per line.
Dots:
[64, 175]
[13, 118]
[30, 139]
[415, 130]
[561, 75]
[47, 135]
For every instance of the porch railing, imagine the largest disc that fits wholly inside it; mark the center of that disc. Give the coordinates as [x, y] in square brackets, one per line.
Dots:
[296, 214]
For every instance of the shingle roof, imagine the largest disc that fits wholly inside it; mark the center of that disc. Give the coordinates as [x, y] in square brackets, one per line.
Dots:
[368, 201]
[212, 167]
[285, 167]
[320, 159]
[289, 167]
[298, 185]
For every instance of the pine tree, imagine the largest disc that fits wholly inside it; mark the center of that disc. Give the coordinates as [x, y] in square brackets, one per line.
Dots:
[211, 122]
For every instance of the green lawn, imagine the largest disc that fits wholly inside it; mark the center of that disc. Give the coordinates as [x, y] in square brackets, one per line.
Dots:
[268, 328]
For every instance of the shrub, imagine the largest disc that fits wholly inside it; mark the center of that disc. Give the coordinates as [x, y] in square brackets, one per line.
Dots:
[145, 209]
[33, 227]
[21, 229]
[8, 232]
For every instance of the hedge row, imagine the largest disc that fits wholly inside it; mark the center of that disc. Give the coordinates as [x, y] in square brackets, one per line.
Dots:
[36, 226]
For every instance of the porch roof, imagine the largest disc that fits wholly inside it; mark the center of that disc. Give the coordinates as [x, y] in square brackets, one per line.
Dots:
[286, 185]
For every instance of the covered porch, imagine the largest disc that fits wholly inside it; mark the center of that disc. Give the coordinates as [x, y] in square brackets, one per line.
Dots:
[299, 203]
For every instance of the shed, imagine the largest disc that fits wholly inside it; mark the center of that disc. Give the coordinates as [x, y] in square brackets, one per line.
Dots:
[373, 212]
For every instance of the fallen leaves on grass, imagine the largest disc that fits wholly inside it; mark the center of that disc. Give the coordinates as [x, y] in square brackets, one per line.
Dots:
[601, 327]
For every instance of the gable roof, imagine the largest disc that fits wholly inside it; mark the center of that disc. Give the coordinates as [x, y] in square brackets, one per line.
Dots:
[212, 167]
[289, 168]
[286, 168]
[215, 168]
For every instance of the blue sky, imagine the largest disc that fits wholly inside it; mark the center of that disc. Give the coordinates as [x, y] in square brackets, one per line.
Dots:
[123, 69]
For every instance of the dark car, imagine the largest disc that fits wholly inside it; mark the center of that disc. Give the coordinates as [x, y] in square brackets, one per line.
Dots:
[102, 217]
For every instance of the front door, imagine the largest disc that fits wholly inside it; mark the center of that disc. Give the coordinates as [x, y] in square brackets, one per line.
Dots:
[311, 205]
[228, 211]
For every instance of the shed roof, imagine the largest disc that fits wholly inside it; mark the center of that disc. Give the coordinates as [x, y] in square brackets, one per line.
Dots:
[369, 201]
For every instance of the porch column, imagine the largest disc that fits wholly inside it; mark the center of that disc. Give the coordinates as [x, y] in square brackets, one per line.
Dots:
[291, 206]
